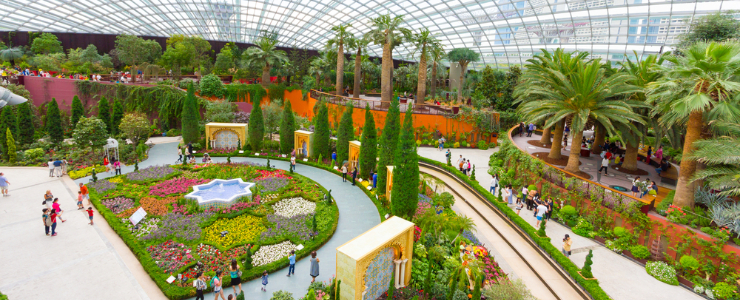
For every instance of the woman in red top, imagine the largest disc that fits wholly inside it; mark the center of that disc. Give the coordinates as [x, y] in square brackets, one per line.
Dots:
[53, 216]
[105, 163]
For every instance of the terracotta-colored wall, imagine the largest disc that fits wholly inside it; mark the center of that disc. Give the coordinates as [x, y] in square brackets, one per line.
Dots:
[44, 89]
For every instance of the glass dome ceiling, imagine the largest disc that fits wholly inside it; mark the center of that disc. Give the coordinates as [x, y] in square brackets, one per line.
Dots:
[503, 31]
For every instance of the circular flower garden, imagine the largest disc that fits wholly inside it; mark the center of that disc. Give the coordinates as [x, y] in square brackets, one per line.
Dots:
[178, 238]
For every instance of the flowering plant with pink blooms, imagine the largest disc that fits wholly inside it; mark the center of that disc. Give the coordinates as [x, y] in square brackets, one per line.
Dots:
[268, 174]
[174, 186]
[170, 256]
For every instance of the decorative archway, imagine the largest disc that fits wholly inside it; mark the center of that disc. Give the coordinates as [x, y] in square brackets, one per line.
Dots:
[225, 138]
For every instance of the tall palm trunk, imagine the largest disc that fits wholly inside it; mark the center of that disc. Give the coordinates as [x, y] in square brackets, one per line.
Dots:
[630, 157]
[462, 77]
[266, 75]
[340, 69]
[421, 87]
[546, 136]
[386, 86]
[433, 90]
[599, 135]
[684, 189]
[358, 73]
[557, 146]
[575, 154]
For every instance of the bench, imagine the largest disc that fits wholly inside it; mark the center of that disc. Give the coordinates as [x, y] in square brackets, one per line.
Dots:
[669, 176]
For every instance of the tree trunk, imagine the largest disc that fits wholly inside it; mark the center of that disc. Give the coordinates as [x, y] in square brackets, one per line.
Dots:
[266, 75]
[630, 157]
[340, 69]
[433, 90]
[546, 136]
[358, 72]
[386, 87]
[557, 146]
[462, 77]
[421, 87]
[599, 135]
[684, 189]
[318, 81]
[575, 154]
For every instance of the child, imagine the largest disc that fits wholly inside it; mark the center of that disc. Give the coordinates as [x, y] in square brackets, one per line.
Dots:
[264, 281]
[200, 286]
[90, 214]
[57, 209]
[519, 207]
[79, 200]
[217, 286]
[117, 166]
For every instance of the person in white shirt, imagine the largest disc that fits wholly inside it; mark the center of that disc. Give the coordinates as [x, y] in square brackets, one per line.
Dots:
[494, 184]
[460, 162]
[604, 165]
[525, 192]
[541, 210]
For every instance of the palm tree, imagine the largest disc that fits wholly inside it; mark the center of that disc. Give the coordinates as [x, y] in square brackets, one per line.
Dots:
[437, 54]
[266, 55]
[424, 42]
[580, 98]
[463, 56]
[11, 54]
[721, 157]
[701, 86]
[387, 32]
[340, 40]
[534, 77]
[360, 44]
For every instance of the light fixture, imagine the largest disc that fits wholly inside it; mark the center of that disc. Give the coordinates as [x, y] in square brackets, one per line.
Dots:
[8, 98]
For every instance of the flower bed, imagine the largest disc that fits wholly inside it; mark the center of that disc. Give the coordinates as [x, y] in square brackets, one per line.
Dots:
[103, 185]
[239, 230]
[118, 204]
[83, 171]
[174, 186]
[271, 253]
[272, 174]
[212, 259]
[150, 173]
[157, 207]
[294, 206]
[272, 184]
[296, 226]
[182, 226]
[146, 226]
[662, 271]
[170, 256]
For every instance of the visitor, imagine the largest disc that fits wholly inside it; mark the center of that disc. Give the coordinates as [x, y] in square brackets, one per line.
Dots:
[58, 209]
[64, 166]
[314, 266]
[531, 129]
[649, 154]
[190, 149]
[236, 275]
[179, 155]
[465, 167]
[645, 187]
[550, 205]
[217, 285]
[58, 167]
[85, 193]
[354, 175]
[536, 202]
[448, 155]
[566, 131]
[521, 129]
[567, 243]
[291, 261]
[292, 163]
[192, 160]
[653, 187]
[541, 211]
[333, 158]
[609, 153]
[658, 154]
[53, 217]
[519, 208]
[494, 184]
[530, 200]
[51, 167]
[604, 165]
[565, 140]
[47, 221]
[618, 160]
[48, 198]
[344, 173]
[525, 192]
[469, 168]
[200, 286]
[4, 184]
[79, 201]
[635, 183]
[106, 163]
[264, 281]
[509, 194]
[90, 214]
[209, 160]
[375, 180]
[117, 166]
[441, 143]
[460, 162]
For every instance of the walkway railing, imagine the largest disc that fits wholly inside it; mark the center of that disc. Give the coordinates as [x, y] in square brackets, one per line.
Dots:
[424, 109]
[557, 176]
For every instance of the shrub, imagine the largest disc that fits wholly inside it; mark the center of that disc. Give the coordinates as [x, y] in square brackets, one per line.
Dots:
[583, 228]
[514, 290]
[211, 85]
[689, 263]
[282, 295]
[482, 145]
[724, 291]
[456, 145]
[568, 211]
[586, 270]
[532, 187]
[620, 231]
[34, 154]
[662, 271]
[640, 251]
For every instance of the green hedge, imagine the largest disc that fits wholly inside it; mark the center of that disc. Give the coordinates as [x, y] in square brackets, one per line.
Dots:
[591, 286]
[3, 296]
[138, 247]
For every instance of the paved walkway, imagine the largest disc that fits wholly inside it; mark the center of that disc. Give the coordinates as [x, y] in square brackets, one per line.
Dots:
[85, 262]
[620, 277]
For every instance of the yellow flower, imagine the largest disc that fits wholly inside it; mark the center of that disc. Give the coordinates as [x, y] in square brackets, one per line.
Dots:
[241, 229]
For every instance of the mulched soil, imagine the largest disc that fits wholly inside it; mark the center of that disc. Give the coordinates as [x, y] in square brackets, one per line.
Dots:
[639, 172]
[563, 161]
[584, 175]
[537, 143]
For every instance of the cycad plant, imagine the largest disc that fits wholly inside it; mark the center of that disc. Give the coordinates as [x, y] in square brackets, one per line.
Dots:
[387, 32]
[701, 86]
[265, 55]
[581, 98]
[722, 158]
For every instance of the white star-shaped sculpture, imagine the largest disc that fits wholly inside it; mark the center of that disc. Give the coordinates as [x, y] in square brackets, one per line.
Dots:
[237, 188]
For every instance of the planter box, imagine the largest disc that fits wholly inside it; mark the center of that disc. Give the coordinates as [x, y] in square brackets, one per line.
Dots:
[579, 273]
[455, 109]
[599, 239]
[686, 282]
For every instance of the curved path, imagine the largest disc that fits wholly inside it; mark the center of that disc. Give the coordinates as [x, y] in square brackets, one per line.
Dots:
[537, 271]
[357, 214]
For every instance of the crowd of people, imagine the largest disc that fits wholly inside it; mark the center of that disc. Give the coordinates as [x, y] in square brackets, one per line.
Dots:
[6, 74]
[53, 210]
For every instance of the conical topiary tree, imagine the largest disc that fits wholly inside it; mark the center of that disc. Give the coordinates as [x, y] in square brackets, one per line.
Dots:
[54, 121]
[345, 133]
[78, 111]
[586, 270]
[117, 116]
[256, 126]
[104, 113]
[541, 231]
[10, 146]
[287, 129]
[190, 117]
[405, 192]
[25, 119]
[472, 173]
[7, 121]
[388, 141]
[321, 134]
[369, 145]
